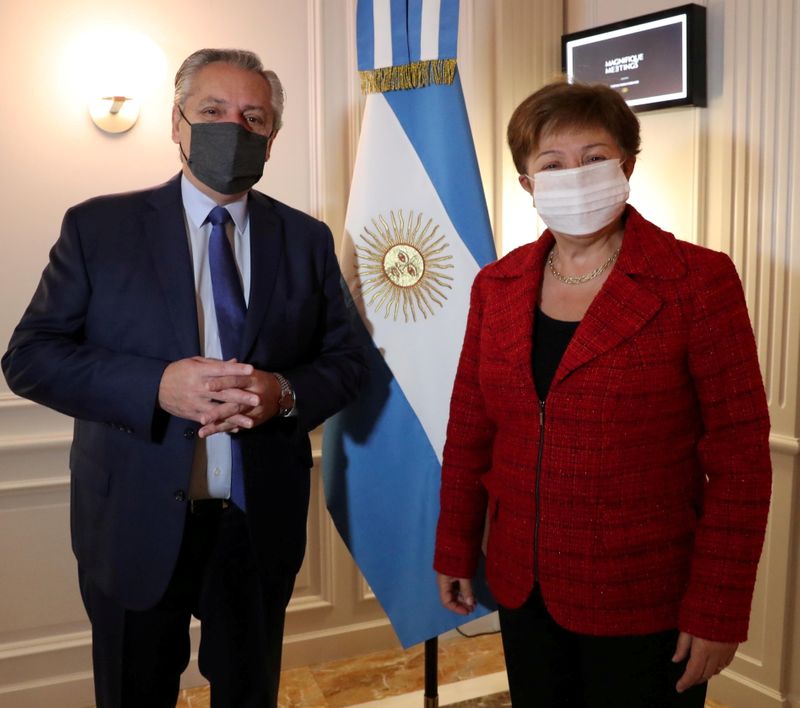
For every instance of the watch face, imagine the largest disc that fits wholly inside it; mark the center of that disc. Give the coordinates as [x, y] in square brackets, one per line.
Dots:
[286, 403]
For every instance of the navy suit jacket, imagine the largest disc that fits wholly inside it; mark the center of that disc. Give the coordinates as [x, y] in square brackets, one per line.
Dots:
[115, 305]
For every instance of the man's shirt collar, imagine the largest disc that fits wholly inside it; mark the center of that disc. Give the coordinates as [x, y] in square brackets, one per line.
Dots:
[198, 205]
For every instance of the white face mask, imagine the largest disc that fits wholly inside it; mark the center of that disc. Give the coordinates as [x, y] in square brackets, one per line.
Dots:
[582, 200]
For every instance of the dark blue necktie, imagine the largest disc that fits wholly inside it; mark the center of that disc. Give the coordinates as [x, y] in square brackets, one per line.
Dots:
[231, 309]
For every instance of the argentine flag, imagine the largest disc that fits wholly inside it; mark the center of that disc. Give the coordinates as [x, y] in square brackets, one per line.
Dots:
[416, 233]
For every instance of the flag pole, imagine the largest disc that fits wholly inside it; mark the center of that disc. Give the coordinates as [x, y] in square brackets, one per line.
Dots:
[432, 673]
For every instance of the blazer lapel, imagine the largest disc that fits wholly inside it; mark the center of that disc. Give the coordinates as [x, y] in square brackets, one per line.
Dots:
[620, 309]
[266, 252]
[623, 306]
[513, 309]
[165, 232]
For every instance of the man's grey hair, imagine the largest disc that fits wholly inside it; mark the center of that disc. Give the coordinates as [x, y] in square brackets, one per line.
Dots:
[238, 57]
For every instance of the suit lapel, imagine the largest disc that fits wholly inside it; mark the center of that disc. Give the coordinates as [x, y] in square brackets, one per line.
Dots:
[620, 309]
[165, 232]
[513, 308]
[266, 252]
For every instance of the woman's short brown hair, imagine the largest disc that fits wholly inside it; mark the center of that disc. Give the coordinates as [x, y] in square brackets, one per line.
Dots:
[561, 105]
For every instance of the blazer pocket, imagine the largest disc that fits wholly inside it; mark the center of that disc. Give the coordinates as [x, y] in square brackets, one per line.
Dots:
[492, 510]
[493, 545]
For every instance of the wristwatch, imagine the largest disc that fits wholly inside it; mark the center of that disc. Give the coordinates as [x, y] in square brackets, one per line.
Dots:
[286, 402]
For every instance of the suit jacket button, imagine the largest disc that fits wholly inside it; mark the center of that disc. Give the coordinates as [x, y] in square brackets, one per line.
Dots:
[180, 495]
[189, 433]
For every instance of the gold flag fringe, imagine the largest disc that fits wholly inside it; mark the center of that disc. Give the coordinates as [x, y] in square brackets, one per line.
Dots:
[408, 76]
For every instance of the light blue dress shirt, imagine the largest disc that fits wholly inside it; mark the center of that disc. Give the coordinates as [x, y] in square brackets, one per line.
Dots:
[211, 471]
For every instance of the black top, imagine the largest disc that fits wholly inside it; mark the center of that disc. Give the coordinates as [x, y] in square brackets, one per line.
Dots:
[550, 340]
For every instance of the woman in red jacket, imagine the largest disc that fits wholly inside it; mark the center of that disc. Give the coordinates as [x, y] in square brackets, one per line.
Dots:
[609, 419]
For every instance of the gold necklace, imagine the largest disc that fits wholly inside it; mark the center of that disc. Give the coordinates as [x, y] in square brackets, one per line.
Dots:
[579, 279]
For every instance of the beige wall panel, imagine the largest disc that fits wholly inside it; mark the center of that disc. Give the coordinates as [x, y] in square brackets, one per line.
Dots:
[22, 421]
[31, 463]
[792, 619]
[68, 690]
[667, 173]
[753, 177]
[35, 548]
[528, 55]
[476, 68]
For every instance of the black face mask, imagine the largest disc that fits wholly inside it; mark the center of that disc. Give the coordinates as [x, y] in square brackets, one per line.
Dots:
[225, 156]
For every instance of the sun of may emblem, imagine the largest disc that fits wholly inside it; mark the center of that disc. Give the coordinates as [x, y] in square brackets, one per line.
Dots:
[401, 266]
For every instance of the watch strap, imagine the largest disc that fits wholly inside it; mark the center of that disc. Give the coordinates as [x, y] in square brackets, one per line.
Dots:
[286, 402]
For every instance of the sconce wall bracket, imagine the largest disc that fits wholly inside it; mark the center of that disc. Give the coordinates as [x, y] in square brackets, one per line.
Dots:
[114, 114]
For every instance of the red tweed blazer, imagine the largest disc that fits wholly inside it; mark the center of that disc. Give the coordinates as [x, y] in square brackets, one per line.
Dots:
[638, 497]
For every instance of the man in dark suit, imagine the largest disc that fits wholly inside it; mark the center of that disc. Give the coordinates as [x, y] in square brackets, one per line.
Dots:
[196, 332]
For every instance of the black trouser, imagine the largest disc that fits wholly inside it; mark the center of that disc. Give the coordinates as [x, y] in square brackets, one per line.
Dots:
[139, 656]
[548, 665]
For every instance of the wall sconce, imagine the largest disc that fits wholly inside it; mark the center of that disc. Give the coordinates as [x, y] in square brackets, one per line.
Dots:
[114, 114]
[114, 70]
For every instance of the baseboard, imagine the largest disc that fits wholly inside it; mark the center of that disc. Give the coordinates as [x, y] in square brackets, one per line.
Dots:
[65, 691]
[738, 691]
[449, 693]
[338, 643]
[57, 671]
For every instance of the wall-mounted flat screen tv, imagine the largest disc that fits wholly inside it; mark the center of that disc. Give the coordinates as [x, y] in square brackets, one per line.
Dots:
[654, 61]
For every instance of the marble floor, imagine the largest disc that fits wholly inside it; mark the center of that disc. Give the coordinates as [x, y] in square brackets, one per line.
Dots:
[471, 675]
[395, 675]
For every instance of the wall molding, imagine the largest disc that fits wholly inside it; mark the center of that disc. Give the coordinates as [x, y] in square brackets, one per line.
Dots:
[739, 691]
[326, 644]
[12, 400]
[307, 603]
[364, 591]
[43, 441]
[316, 101]
[355, 99]
[75, 687]
[778, 442]
[784, 444]
[53, 690]
[30, 486]
[44, 645]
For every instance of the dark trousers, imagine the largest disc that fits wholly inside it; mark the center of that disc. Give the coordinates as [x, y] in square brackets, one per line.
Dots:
[139, 656]
[548, 665]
